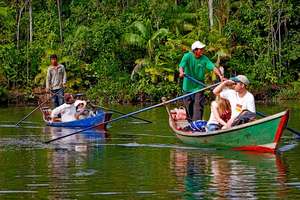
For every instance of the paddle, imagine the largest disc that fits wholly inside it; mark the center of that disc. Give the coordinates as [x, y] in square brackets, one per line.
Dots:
[17, 124]
[194, 80]
[258, 113]
[290, 129]
[135, 112]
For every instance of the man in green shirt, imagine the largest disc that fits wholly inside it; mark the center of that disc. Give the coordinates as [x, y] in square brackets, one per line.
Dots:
[195, 64]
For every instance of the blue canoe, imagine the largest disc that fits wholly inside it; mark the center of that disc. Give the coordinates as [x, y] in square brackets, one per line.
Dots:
[98, 118]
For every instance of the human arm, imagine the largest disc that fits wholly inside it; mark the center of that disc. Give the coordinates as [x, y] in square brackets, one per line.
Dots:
[57, 111]
[181, 72]
[221, 86]
[48, 79]
[218, 73]
[183, 63]
[64, 76]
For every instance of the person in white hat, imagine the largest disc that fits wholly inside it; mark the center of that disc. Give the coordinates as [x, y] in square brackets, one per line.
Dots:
[195, 64]
[68, 110]
[241, 100]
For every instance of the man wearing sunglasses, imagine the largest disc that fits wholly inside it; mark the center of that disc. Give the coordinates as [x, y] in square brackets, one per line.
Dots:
[241, 100]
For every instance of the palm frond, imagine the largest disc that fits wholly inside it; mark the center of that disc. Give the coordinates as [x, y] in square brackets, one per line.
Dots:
[159, 34]
[133, 39]
[143, 30]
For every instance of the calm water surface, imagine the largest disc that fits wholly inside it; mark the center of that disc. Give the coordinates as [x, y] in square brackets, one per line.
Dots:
[134, 160]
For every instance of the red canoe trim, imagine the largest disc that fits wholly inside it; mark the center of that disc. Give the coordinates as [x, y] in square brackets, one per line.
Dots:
[255, 148]
[280, 128]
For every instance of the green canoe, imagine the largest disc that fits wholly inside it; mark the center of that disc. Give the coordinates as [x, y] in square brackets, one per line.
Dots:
[260, 135]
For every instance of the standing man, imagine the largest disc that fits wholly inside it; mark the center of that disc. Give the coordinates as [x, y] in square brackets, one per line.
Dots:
[195, 64]
[56, 80]
[242, 102]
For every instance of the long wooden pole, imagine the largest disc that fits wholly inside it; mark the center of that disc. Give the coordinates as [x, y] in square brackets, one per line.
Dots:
[116, 111]
[17, 124]
[134, 113]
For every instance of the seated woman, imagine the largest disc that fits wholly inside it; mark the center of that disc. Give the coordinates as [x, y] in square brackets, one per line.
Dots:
[81, 111]
[220, 114]
[68, 109]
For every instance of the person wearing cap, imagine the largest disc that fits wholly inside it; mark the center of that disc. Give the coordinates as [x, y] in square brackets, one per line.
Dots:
[68, 111]
[242, 102]
[56, 80]
[195, 64]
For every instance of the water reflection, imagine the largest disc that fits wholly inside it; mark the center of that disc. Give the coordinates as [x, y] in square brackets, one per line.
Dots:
[228, 175]
[86, 137]
[68, 158]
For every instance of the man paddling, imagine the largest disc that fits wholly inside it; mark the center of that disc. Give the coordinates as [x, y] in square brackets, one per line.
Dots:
[56, 80]
[241, 100]
[195, 64]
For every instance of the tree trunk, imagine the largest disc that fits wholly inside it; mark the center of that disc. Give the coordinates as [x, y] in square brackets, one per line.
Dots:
[30, 22]
[18, 24]
[60, 23]
[279, 22]
[210, 13]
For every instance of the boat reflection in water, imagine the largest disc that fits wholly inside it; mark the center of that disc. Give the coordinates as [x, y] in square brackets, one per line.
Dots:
[228, 175]
[69, 160]
[88, 137]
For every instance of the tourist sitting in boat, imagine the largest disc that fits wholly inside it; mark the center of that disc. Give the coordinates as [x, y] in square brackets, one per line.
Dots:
[68, 109]
[220, 114]
[81, 110]
[241, 100]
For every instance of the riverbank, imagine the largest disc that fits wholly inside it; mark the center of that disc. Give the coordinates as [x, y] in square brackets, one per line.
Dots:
[25, 97]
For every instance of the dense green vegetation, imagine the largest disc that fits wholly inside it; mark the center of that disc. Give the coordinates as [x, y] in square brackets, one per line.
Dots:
[129, 50]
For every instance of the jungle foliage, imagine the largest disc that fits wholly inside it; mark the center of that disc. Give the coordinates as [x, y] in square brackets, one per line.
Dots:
[129, 50]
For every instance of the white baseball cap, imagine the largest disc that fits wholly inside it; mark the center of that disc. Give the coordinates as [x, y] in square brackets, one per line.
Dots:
[242, 79]
[197, 45]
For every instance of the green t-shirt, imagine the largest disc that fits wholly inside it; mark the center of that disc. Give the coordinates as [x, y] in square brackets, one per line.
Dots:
[195, 67]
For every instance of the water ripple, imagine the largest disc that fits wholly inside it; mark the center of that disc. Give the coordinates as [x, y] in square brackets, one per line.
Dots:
[134, 144]
[88, 172]
[16, 191]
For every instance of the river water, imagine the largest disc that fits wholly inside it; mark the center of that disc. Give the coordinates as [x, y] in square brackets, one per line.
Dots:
[134, 160]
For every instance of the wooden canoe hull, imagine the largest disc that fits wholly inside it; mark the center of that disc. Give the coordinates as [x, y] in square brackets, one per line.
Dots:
[260, 135]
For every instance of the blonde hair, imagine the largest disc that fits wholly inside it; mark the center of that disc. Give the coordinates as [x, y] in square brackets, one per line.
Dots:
[223, 105]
